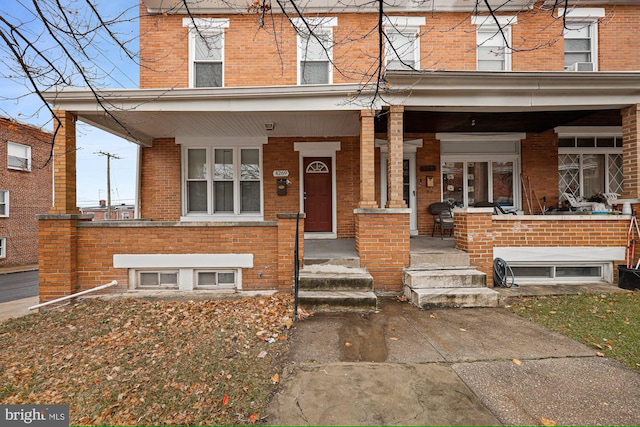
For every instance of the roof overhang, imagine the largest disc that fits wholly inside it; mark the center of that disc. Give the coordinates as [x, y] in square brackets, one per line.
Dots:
[142, 115]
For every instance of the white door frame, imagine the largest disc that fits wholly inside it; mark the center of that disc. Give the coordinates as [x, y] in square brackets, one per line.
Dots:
[320, 149]
[409, 153]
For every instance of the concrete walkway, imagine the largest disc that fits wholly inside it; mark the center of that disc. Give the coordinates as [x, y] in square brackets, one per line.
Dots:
[17, 308]
[405, 366]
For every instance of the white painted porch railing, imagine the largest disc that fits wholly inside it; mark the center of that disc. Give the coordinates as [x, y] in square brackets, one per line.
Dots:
[66, 297]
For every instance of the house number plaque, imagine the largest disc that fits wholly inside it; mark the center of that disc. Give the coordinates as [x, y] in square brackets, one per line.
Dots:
[281, 173]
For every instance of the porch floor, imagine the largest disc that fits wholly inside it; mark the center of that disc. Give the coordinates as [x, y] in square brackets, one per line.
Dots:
[346, 248]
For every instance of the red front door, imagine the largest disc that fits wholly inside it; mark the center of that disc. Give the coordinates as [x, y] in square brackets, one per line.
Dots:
[318, 205]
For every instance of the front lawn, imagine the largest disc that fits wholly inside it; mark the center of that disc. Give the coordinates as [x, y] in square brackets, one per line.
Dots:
[136, 362]
[608, 322]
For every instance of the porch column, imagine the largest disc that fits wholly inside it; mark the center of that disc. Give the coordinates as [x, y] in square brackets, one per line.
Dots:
[64, 165]
[367, 160]
[395, 135]
[631, 151]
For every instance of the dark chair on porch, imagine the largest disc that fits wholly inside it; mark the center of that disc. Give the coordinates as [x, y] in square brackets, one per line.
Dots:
[442, 218]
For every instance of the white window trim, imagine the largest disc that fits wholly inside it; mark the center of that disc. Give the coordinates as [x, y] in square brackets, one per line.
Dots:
[6, 203]
[185, 264]
[28, 159]
[590, 132]
[404, 25]
[3, 247]
[210, 215]
[489, 23]
[321, 24]
[588, 16]
[206, 26]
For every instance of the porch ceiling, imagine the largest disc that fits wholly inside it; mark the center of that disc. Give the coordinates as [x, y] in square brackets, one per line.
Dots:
[143, 127]
[533, 121]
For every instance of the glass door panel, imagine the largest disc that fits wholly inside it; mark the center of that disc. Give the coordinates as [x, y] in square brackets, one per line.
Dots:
[477, 182]
[502, 183]
[453, 183]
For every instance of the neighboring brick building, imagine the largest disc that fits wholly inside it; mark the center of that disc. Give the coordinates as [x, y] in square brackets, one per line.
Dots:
[257, 125]
[25, 189]
[118, 212]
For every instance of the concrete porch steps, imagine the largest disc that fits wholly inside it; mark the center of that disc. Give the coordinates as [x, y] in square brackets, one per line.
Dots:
[445, 279]
[330, 287]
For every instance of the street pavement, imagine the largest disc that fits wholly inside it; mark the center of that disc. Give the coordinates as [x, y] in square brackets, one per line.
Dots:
[406, 366]
[18, 284]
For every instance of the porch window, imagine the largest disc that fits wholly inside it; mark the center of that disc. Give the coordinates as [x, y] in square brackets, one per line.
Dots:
[206, 51]
[4, 203]
[588, 166]
[3, 247]
[233, 188]
[315, 49]
[18, 156]
[402, 42]
[468, 182]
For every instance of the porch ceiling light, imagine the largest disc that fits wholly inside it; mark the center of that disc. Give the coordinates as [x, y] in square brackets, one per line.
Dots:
[269, 126]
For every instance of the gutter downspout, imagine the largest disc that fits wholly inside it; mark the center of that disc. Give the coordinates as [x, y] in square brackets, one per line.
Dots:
[66, 297]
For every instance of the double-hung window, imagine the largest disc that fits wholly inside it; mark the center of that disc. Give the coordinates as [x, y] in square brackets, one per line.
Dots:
[3, 247]
[18, 156]
[493, 40]
[590, 165]
[315, 50]
[4, 203]
[206, 51]
[223, 182]
[581, 38]
[402, 42]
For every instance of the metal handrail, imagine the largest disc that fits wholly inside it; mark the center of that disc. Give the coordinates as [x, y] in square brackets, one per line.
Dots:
[296, 268]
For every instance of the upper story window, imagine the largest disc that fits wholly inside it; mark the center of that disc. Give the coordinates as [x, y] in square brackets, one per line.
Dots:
[223, 182]
[315, 50]
[493, 39]
[206, 51]
[18, 156]
[402, 44]
[581, 38]
[4, 203]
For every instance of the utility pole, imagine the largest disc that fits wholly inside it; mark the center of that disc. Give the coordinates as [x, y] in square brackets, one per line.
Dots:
[109, 156]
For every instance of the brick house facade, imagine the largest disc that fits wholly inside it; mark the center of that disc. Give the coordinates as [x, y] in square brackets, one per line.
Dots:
[25, 190]
[241, 129]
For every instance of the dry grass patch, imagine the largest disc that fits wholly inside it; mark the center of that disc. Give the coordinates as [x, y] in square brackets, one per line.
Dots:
[137, 362]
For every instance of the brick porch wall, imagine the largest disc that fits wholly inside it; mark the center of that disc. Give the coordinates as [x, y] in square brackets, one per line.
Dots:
[77, 254]
[477, 232]
[382, 242]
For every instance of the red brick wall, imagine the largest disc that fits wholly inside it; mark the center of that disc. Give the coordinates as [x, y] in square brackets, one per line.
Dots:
[540, 169]
[631, 151]
[478, 232]
[267, 56]
[160, 181]
[382, 242]
[428, 155]
[29, 192]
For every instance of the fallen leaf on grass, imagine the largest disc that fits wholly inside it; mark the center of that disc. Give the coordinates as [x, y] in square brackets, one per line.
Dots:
[348, 344]
[225, 399]
[517, 361]
[393, 338]
[433, 315]
[275, 378]
[253, 417]
[547, 422]
[599, 353]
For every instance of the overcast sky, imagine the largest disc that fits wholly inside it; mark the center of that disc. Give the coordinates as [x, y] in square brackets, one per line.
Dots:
[18, 102]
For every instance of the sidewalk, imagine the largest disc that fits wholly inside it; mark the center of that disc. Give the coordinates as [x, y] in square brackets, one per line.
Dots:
[17, 308]
[407, 366]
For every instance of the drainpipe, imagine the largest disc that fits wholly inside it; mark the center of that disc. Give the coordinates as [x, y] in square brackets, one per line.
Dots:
[66, 297]
[136, 213]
